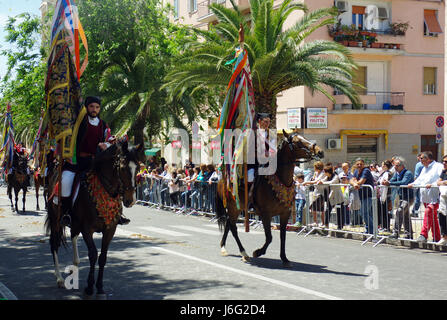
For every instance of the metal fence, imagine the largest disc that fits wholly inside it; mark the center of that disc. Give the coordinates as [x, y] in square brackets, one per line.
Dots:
[378, 212]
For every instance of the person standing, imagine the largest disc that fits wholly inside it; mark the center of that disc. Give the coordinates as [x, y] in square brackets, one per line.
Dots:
[363, 181]
[442, 211]
[429, 176]
[401, 179]
[417, 171]
[300, 198]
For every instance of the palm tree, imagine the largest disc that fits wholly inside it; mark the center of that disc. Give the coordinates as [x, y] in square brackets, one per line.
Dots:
[279, 59]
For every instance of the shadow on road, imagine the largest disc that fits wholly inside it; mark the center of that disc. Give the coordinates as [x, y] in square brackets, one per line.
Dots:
[268, 263]
[26, 268]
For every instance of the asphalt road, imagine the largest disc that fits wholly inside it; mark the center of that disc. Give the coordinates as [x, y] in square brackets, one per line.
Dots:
[164, 256]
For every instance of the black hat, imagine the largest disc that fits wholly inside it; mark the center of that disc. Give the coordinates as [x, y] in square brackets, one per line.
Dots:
[92, 99]
[261, 115]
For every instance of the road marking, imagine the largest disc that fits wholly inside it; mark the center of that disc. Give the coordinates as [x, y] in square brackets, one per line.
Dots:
[165, 231]
[6, 293]
[252, 275]
[239, 229]
[200, 230]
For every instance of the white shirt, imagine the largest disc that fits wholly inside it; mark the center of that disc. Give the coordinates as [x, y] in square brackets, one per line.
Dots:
[429, 175]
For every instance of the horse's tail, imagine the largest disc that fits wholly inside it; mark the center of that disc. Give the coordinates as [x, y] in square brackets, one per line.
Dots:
[54, 229]
[221, 212]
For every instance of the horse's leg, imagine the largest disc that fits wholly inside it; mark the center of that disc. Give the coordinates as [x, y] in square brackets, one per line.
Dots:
[74, 241]
[266, 221]
[224, 251]
[93, 257]
[24, 198]
[233, 229]
[55, 241]
[16, 196]
[107, 237]
[10, 196]
[37, 194]
[283, 227]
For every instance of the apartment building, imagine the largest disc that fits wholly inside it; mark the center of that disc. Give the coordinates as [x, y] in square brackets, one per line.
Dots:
[399, 48]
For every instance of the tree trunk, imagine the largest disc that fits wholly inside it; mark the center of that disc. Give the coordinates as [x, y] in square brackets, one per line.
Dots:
[140, 124]
[266, 103]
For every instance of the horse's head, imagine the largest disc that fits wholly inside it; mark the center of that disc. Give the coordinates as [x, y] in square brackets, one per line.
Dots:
[128, 169]
[301, 148]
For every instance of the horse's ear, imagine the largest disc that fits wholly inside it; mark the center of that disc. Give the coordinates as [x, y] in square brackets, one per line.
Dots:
[286, 135]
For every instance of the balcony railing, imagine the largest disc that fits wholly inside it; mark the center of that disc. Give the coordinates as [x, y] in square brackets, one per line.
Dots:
[203, 8]
[373, 100]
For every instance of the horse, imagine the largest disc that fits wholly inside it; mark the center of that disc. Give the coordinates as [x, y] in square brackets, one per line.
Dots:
[18, 180]
[115, 171]
[272, 195]
[39, 181]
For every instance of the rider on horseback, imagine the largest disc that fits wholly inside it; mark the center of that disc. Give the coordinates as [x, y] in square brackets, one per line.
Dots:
[263, 125]
[93, 134]
[21, 154]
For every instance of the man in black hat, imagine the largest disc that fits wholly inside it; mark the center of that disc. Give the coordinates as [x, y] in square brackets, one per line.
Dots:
[93, 131]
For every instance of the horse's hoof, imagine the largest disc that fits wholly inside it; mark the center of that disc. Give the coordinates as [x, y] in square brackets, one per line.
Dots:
[223, 252]
[245, 259]
[86, 296]
[101, 296]
[61, 284]
[286, 264]
[256, 254]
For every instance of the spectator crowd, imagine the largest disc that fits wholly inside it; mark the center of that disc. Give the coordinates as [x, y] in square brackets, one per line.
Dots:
[351, 192]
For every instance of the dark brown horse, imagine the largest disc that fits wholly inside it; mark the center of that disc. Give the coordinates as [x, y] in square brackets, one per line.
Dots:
[116, 169]
[267, 200]
[18, 179]
[40, 181]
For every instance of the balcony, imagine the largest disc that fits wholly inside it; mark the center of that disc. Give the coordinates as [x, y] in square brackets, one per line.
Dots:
[379, 41]
[373, 100]
[205, 14]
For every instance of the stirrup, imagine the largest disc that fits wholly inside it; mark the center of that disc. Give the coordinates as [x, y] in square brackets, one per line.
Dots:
[66, 220]
[123, 221]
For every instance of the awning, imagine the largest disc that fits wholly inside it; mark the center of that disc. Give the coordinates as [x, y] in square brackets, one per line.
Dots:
[358, 10]
[364, 132]
[151, 152]
[431, 21]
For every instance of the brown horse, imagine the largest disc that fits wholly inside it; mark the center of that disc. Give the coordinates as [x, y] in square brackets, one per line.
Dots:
[40, 181]
[18, 180]
[115, 169]
[267, 198]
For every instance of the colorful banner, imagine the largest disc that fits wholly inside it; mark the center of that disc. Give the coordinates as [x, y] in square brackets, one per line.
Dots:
[238, 112]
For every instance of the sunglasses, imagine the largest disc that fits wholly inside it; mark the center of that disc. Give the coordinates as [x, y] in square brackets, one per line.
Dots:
[444, 161]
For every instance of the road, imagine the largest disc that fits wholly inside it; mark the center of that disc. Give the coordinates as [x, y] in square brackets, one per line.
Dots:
[164, 256]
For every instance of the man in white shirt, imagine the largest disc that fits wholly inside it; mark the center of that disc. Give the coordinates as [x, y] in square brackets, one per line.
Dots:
[429, 196]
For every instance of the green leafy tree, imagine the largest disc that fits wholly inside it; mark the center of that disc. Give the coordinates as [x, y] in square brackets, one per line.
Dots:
[279, 59]
[131, 45]
[23, 84]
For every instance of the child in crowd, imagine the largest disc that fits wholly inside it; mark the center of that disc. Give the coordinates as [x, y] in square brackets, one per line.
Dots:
[300, 199]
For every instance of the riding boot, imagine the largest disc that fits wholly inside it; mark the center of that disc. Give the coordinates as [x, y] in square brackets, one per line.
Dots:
[66, 212]
[123, 220]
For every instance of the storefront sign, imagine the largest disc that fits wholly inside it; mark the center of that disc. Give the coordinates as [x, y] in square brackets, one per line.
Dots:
[316, 118]
[294, 119]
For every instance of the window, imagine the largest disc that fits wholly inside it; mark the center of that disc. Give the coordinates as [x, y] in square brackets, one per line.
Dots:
[430, 80]
[358, 15]
[360, 78]
[431, 24]
[192, 5]
[176, 9]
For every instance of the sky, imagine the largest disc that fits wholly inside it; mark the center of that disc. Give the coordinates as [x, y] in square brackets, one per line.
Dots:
[12, 8]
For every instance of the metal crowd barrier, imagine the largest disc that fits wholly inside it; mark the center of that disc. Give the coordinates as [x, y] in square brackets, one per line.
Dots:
[378, 212]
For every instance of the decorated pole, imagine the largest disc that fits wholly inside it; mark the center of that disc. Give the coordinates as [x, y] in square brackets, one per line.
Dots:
[63, 99]
[237, 117]
[246, 220]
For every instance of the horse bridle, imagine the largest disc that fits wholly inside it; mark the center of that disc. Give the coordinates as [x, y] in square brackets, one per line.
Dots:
[117, 166]
[309, 152]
